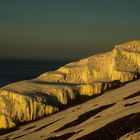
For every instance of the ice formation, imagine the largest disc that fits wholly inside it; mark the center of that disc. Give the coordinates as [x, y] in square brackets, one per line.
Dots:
[31, 99]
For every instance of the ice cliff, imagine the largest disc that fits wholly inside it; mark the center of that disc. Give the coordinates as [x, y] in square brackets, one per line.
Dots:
[31, 99]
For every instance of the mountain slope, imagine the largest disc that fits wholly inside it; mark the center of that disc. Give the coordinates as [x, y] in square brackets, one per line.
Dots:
[107, 117]
[31, 99]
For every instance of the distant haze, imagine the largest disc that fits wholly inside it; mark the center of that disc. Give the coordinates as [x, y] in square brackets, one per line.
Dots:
[65, 29]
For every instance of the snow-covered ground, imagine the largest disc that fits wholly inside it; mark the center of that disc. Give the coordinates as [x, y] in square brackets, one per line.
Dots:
[108, 116]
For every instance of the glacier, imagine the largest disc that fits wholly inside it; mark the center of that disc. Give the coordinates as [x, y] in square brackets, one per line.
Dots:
[29, 100]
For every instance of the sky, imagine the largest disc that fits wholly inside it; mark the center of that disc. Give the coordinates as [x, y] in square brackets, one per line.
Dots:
[65, 29]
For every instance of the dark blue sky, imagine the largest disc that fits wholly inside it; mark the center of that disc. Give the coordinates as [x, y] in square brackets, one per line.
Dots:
[65, 29]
